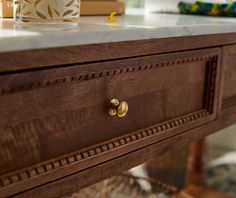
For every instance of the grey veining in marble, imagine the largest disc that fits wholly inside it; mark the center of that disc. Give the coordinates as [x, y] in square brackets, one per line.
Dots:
[93, 30]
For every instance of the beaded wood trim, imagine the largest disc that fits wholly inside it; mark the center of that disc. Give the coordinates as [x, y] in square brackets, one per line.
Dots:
[230, 54]
[72, 159]
[104, 73]
[79, 156]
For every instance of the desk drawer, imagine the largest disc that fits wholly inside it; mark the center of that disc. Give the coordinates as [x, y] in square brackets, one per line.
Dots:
[51, 113]
[229, 90]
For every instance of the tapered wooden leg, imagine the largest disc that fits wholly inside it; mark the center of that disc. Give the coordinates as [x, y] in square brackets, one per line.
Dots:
[195, 163]
[195, 177]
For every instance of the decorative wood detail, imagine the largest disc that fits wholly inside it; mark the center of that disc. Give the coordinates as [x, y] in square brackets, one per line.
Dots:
[76, 157]
[229, 102]
[47, 83]
[210, 91]
[230, 54]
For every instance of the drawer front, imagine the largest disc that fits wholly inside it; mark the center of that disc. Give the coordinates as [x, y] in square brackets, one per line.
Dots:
[229, 83]
[48, 114]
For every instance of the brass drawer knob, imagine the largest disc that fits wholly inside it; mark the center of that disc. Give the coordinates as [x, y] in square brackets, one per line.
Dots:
[117, 108]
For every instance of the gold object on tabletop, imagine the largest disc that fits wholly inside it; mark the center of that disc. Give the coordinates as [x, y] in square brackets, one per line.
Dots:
[111, 18]
[117, 108]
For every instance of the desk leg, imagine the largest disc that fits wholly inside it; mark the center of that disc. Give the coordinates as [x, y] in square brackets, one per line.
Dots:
[195, 177]
[195, 164]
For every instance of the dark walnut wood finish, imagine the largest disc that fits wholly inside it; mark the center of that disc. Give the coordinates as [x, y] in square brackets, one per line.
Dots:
[66, 112]
[229, 81]
[56, 134]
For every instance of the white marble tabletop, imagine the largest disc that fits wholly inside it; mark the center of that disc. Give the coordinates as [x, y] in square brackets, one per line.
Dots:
[93, 30]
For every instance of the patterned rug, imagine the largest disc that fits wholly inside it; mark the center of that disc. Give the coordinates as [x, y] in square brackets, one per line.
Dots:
[221, 174]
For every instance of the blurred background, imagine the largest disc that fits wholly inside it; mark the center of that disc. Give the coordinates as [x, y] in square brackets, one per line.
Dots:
[134, 3]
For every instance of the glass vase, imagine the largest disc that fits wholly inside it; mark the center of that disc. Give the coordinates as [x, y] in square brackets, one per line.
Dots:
[47, 11]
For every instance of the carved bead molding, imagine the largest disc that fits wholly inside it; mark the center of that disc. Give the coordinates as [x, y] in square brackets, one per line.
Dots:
[20, 176]
[212, 72]
[230, 54]
[229, 102]
[77, 157]
[104, 73]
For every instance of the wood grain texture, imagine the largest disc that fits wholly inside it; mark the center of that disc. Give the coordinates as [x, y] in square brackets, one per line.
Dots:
[229, 71]
[62, 116]
[56, 136]
[84, 178]
[76, 107]
[57, 168]
[228, 104]
[195, 165]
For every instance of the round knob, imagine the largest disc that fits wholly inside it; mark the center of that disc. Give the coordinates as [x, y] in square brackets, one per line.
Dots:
[117, 108]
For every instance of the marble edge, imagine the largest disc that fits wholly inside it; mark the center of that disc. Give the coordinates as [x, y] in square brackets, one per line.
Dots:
[76, 38]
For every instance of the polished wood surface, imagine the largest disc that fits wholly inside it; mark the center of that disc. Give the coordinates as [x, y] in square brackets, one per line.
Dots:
[66, 112]
[195, 164]
[57, 135]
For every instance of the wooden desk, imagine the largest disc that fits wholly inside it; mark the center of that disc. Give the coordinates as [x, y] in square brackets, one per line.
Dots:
[56, 133]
